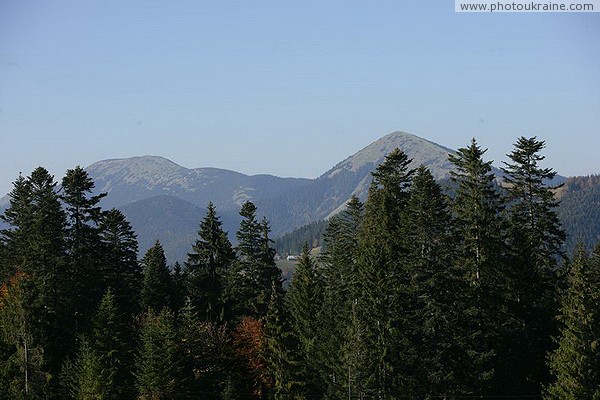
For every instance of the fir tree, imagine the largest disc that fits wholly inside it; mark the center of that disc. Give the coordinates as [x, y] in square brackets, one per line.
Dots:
[575, 364]
[207, 266]
[157, 286]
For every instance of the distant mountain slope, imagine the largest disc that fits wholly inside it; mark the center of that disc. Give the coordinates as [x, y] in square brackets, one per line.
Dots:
[579, 211]
[137, 178]
[173, 221]
[329, 193]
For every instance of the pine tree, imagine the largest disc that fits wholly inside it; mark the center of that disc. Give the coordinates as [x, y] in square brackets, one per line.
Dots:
[536, 237]
[575, 364]
[207, 265]
[157, 286]
[157, 369]
[477, 207]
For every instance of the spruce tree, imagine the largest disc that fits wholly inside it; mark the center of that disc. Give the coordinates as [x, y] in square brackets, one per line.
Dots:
[157, 286]
[85, 250]
[338, 350]
[575, 364]
[35, 246]
[23, 373]
[304, 300]
[121, 271]
[383, 280]
[156, 367]
[436, 289]
[251, 277]
[207, 265]
[477, 206]
[278, 352]
[111, 348]
[536, 237]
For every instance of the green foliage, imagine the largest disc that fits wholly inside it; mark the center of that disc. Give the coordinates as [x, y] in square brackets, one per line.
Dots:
[157, 368]
[22, 374]
[535, 241]
[477, 206]
[207, 267]
[294, 241]
[575, 364]
[121, 270]
[304, 301]
[278, 352]
[157, 286]
[250, 279]
[85, 251]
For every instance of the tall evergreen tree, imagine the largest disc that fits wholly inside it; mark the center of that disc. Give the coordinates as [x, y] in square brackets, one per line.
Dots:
[436, 289]
[84, 246]
[536, 237]
[477, 207]
[157, 285]
[383, 279]
[112, 349]
[250, 279]
[121, 271]
[338, 346]
[575, 364]
[23, 374]
[157, 369]
[278, 352]
[35, 245]
[304, 300]
[207, 266]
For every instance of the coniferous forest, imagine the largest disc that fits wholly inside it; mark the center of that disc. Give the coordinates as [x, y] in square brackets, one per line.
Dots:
[418, 295]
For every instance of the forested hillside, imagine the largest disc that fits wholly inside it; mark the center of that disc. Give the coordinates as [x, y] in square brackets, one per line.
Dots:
[417, 294]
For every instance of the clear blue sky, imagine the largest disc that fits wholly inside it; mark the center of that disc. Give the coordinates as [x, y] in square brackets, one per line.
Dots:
[288, 87]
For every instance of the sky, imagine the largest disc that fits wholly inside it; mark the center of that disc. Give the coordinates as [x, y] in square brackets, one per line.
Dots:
[288, 88]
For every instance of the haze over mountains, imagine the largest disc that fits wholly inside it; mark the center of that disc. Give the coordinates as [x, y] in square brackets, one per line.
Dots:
[166, 201]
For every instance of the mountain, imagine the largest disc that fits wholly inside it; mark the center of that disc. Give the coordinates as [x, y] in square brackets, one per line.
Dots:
[329, 193]
[137, 178]
[166, 201]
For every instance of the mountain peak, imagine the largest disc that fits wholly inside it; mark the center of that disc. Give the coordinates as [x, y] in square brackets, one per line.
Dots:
[421, 151]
